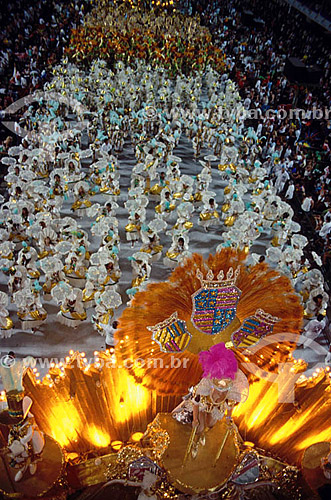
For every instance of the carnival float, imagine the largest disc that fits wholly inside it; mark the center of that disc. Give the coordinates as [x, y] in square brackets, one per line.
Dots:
[201, 395]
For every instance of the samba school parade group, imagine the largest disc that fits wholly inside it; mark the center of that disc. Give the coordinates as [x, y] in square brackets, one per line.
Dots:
[140, 208]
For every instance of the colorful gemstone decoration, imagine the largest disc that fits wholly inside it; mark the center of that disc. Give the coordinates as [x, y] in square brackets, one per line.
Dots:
[248, 470]
[171, 335]
[215, 303]
[254, 329]
[137, 468]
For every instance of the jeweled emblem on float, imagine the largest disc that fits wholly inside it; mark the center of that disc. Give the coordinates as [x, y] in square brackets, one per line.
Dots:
[215, 303]
[171, 335]
[254, 329]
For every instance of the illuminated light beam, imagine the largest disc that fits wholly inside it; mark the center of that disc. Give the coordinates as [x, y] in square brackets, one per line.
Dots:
[324, 435]
[282, 429]
[97, 437]
[261, 403]
[65, 423]
[264, 409]
[294, 424]
[286, 428]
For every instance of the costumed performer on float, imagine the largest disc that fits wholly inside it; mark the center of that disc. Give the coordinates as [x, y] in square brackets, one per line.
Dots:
[222, 387]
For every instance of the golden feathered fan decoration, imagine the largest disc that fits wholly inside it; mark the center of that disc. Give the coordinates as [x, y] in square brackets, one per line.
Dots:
[204, 302]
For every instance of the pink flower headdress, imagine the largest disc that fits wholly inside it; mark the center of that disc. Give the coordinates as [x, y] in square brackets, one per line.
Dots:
[218, 362]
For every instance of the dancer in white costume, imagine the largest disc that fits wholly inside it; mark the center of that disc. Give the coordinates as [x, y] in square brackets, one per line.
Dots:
[314, 329]
[6, 323]
[178, 250]
[70, 299]
[209, 215]
[151, 239]
[53, 268]
[106, 304]
[141, 270]
[29, 307]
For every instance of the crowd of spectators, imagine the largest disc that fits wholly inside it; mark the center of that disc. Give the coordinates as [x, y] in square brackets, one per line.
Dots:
[295, 146]
[322, 7]
[32, 39]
